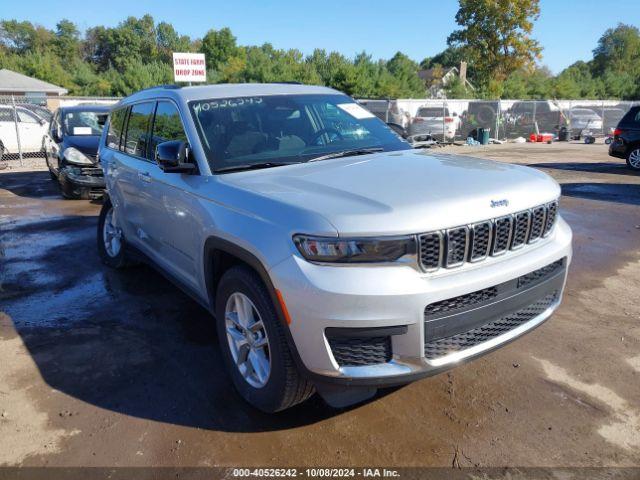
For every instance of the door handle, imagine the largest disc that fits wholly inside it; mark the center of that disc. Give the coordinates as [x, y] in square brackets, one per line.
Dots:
[144, 176]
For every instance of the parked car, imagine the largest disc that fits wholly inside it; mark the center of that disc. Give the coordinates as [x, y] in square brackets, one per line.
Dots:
[522, 117]
[480, 114]
[31, 130]
[388, 111]
[330, 262]
[435, 121]
[626, 139]
[39, 110]
[71, 148]
[583, 120]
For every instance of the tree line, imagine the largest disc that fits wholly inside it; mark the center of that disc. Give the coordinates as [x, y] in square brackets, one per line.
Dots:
[496, 43]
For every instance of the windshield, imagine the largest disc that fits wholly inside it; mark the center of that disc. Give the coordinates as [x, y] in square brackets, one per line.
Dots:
[280, 129]
[84, 122]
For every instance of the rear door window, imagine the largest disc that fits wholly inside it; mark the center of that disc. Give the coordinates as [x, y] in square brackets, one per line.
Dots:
[137, 137]
[116, 123]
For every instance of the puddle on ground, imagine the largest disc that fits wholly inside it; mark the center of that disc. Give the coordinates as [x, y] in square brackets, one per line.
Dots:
[67, 306]
[624, 428]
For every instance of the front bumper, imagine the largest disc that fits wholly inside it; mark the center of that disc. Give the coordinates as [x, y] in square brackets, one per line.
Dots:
[322, 298]
[82, 182]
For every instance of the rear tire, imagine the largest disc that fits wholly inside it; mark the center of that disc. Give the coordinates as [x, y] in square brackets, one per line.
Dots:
[275, 383]
[633, 159]
[111, 242]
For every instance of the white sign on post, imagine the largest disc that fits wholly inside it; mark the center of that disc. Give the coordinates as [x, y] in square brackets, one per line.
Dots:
[189, 67]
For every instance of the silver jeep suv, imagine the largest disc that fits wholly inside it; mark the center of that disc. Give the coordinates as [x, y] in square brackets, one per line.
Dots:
[333, 256]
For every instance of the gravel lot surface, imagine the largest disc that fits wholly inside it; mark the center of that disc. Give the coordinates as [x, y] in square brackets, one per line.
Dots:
[104, 368]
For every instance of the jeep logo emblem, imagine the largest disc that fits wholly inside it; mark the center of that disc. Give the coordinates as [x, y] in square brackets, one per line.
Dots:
[499, 203]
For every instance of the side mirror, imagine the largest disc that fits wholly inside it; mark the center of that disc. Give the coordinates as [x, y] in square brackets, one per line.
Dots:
[56, 134]
[398, 129]
[172, 157]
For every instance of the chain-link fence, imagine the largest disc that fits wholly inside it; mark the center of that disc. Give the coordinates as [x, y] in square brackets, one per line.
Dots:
[24, 123]
[457, 120]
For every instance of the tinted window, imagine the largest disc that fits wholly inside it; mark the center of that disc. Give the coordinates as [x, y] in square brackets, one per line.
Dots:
[632, 117]
[137, 137]
[116, 121]
[286, 129]
[167, 125]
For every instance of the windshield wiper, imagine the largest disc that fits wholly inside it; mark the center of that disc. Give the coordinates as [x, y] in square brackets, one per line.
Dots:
[251, 166]
[347, 153]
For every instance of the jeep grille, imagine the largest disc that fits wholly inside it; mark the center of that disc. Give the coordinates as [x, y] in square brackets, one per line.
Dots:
[471, 243]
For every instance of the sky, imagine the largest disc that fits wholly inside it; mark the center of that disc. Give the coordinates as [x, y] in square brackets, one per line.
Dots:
[567, 30]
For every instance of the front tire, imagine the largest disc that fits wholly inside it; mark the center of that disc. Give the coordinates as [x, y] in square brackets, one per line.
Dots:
[254, 345]
[111, 242]
[633, 159]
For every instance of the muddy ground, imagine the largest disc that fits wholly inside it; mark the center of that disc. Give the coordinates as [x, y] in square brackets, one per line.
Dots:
[103, 368]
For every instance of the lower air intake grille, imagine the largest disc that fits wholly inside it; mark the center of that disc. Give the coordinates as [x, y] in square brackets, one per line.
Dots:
[462, 341]
[355, 351]
[462, 301]
[543, 272]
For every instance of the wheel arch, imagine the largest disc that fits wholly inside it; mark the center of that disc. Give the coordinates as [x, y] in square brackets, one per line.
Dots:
[220, 255]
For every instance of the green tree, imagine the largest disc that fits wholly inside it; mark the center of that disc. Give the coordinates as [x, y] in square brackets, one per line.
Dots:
[618, 50]
[169, 41]
[67, 41]
[219, 46]
[405, 71]
[496, 39]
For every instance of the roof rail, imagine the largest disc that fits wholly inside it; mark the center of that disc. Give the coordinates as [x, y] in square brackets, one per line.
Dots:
[168, 86]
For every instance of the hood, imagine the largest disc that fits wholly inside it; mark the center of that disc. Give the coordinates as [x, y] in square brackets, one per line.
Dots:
[401, 192]
[87, 144]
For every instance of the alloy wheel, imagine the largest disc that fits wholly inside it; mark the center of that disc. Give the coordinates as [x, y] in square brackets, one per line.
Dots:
[111, 235]
[634, 158]
[248, 340]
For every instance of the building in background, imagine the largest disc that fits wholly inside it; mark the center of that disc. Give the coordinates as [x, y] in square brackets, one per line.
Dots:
[436, 79]
[31, 89]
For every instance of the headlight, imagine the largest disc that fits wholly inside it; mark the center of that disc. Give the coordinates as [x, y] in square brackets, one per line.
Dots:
[354, 250]
[73, 155]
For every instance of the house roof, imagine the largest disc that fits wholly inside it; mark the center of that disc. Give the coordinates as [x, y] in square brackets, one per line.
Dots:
[11, 81]
[428, 74]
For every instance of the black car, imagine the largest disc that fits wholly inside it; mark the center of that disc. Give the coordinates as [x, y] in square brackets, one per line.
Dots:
[626, 139]
[71, 148]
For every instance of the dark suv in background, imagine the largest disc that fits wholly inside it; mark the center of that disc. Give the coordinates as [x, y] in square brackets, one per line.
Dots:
[626, 139]
[71, 149]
